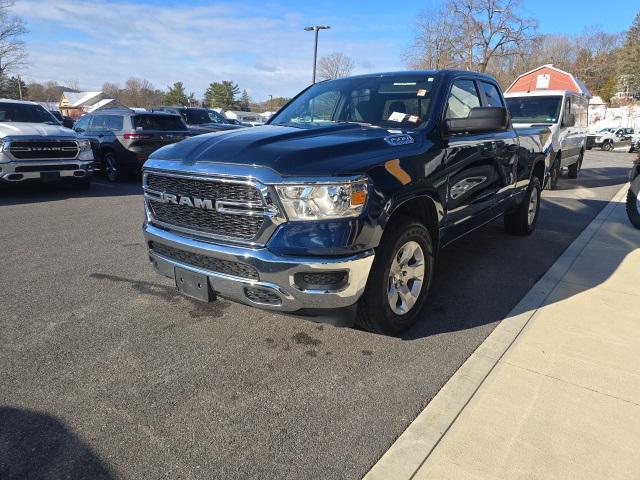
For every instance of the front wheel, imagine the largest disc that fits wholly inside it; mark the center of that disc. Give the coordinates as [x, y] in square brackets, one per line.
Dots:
[400, 278]
[523, 220]
[633, 203]
[574, 169]
[607, 146]
[554, 175]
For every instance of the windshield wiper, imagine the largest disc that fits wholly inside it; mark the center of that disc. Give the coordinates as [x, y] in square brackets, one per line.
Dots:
[352, 122]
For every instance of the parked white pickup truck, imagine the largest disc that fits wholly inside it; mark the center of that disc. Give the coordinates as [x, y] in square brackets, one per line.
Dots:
[35, 146]
[610, 138]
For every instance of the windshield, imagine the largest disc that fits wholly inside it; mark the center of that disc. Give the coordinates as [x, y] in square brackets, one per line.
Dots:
[606, 130]
[403, 101]
[534, 109]
[216, 117]
[196, 116]
[25, 112]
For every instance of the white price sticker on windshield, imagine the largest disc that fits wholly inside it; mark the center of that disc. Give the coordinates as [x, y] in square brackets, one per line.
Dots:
[397, 117]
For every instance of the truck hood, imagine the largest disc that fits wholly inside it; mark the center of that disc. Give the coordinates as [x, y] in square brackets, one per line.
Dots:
[17, 129]
[292, 151]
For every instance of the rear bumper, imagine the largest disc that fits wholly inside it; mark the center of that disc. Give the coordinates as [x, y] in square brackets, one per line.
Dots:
[18, 171]
[277, 275]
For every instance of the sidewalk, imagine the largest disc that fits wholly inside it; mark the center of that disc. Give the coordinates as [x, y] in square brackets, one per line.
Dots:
[554, 391]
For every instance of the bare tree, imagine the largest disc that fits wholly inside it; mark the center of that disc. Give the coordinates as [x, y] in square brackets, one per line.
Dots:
[471, 33]
[335, 65]
[12, 52]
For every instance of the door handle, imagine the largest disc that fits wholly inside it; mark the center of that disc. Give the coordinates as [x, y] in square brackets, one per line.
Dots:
[100, 135]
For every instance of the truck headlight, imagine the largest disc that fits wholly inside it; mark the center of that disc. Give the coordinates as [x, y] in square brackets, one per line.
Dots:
[323, 201]
[84, 147]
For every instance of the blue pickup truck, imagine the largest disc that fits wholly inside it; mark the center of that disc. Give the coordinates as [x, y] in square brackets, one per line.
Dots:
[338, 207]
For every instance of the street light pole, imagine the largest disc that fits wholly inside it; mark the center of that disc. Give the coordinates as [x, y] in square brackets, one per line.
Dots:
[316, 29]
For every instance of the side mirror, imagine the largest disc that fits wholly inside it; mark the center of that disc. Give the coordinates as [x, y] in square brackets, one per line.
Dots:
[480, 119]
[570, 120]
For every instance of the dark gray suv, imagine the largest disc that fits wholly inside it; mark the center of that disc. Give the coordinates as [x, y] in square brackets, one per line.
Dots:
[123, 139]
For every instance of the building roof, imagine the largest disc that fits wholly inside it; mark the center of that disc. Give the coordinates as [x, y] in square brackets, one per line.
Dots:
[101, 104]
[78, 99]
[558, 80]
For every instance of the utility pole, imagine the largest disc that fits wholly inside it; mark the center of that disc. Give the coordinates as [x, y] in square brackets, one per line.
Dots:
[316, 29]
[271, 104]
[20, 87]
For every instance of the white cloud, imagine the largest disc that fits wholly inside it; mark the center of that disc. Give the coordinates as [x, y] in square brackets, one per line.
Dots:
[107, 41]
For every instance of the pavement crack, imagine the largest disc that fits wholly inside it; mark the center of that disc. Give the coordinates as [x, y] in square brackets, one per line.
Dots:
[584, 387]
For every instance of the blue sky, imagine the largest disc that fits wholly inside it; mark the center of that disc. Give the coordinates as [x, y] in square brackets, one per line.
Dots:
[258, 44]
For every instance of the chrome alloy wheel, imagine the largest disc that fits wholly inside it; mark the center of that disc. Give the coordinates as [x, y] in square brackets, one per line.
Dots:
[534, 200]
[406, 277]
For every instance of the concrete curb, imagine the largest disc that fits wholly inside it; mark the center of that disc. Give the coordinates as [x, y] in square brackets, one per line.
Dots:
[409, 452]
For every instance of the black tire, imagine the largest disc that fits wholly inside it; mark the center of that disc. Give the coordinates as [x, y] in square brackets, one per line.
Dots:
[554, 174]
[574, 169]
[589, 148]
[607, 146]
[633, 209]
[374, 310]
[112, 167]
[518, 222]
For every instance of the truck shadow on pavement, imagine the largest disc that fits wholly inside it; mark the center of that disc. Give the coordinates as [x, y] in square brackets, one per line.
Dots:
[37, 446]
[598, 177]
[14, 194]
[481, 278]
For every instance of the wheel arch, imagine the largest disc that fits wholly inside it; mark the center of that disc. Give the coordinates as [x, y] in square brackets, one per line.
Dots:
[423, 207]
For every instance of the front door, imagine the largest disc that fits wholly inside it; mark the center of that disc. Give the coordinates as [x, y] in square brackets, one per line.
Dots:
[470, 162]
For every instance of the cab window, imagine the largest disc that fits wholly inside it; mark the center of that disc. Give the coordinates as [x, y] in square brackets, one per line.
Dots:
[462, 98]
[491, 95]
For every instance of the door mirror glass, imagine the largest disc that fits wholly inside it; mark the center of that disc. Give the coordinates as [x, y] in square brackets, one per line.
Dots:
[480, 119]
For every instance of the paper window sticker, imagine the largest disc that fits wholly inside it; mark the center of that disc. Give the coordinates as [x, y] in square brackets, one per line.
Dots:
[422, 92]
[413, 118]
[397, 117]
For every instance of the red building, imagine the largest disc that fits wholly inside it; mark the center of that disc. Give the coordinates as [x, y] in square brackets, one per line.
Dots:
[548, 77]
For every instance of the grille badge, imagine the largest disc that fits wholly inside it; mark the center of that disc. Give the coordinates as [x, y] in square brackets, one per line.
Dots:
[193, 202]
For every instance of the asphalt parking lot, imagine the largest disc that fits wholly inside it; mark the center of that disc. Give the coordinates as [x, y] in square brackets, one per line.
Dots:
[107, 373]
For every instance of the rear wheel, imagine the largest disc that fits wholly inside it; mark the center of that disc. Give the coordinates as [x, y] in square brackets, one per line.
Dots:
[523, 220]
[112, 167]
[575, 168]
[400, 278]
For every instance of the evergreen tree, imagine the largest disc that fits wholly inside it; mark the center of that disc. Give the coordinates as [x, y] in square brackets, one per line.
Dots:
[245, 101]
[176, 95]
[14, 88]
[221, 95]
[629, 59]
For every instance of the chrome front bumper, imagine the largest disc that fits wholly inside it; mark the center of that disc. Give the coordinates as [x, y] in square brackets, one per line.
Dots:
[276, 273]
[8, 171]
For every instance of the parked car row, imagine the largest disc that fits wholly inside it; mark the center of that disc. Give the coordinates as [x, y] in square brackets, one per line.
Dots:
[611, 138]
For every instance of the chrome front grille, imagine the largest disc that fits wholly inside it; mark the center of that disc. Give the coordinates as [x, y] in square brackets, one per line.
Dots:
[234, 209]
[43, 149]
[207, 221]
[203, 188]
[218, 265]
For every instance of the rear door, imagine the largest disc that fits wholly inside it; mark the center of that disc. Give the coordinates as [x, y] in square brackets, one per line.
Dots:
[151, 131]
[473, 178]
